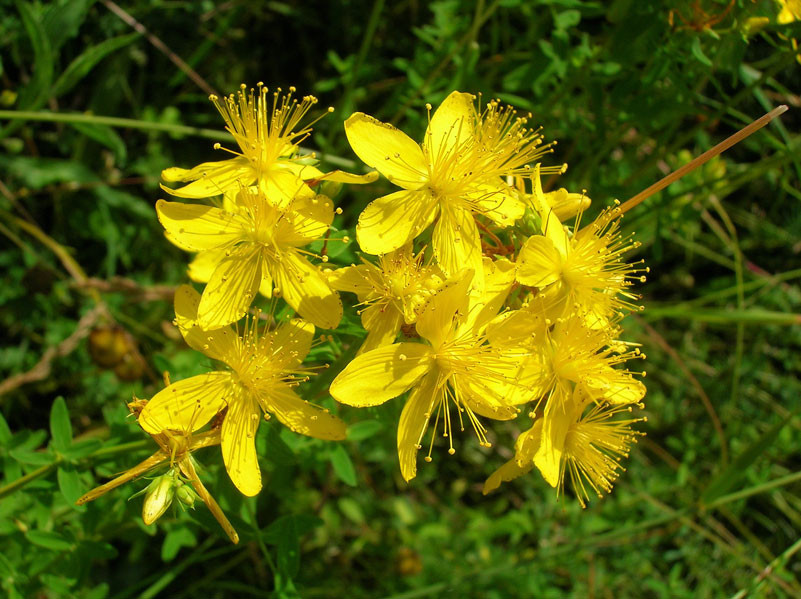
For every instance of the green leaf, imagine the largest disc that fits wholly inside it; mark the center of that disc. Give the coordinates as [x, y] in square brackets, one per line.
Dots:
[698, 52]
[364, 430]
[280, 451]
[34, 458]
[567, 19]
[81, 449]
[63, 19]
[351, 508]
[60, 426]
[69, 483]
[39, 172]
[49, 540]
[83, 64]
[104, 135]
[38, 89]
[123, 201]
[726, 480]
[288, 548]
[343, 466]
[5, 432]
[175, 539]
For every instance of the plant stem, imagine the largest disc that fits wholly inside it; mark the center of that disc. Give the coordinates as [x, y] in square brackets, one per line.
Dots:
[91, 119]
[47, 468]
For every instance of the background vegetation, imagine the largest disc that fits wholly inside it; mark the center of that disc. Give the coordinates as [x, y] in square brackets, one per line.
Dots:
[97, 99]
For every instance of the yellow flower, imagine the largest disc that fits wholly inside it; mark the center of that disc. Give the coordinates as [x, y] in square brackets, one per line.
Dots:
[455, 366]
[584, 271]
[255, 248]
[176, 446]
[582, 440]
[452, 177]
[561, 356]
[267, 131]
[264, 367]
[391, 292]
[790, 12]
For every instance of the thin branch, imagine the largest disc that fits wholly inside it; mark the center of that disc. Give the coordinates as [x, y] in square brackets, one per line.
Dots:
[161, 46]
[43, 367]
[702, 159]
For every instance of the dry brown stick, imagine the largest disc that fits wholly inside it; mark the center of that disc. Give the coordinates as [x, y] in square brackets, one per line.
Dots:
[42, 368]
[176, 60]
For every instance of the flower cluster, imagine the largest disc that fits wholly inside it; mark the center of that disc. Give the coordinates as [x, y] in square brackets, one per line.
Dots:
[477, 297]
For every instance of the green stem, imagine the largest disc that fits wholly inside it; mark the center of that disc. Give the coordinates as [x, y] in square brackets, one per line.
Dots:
[91, 119]
[723, 316]
[47, 468]
[28, 478]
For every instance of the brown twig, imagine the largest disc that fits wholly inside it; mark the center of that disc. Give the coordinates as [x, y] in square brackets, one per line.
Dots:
[176, 60]
[42, 368]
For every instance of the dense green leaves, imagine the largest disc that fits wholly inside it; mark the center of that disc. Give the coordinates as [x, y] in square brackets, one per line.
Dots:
[631, 90]
[60, 427]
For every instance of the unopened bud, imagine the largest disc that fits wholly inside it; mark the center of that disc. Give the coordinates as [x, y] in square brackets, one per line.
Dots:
[186, 495]
[158, 497]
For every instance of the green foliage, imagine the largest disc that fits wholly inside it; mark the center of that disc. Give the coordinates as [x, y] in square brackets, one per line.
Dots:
[631, 90]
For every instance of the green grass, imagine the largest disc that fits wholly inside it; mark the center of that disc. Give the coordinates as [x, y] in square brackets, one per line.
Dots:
[90, 112]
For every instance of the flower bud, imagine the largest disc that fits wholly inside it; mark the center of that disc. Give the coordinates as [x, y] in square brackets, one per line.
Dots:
[158, 497]
[186, 495]
[565, 204]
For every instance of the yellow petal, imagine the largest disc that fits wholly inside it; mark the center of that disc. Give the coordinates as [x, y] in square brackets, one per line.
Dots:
[551, 226]
[498, 202]
[499, 276]
[381, 374]
[186, 405]
[306, 172]
[509, 471]
[218, 344]
[449, 302]
[388, 150]
[306, 289]
[232, 286]
[300, 416]
[350, 178]
[413, 421]
[266, 284]
[307, 219]
[452, 125]
[280, 186]
[516, 328]
[614, 386]
[239, 444]
[548, 458]
[528, 443]
[393, 220]
[566, 205]
[194, 227]
[457, 244]
[531, 382]
[382, 324]
[292, 342]
[203, 264]
[354, 279]
[483, 396]
[212, 178]
[539, 263]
